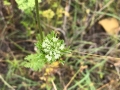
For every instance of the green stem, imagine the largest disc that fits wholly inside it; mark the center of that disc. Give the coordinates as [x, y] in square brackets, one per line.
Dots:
[38, 19]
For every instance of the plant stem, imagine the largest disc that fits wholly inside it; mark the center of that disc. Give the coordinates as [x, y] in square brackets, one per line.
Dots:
[38, 19]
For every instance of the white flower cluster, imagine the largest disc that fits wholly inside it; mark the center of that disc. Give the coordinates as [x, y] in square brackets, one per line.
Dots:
[53, 48]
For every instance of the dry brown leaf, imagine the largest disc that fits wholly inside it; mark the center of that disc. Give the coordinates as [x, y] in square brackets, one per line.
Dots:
[111, 26]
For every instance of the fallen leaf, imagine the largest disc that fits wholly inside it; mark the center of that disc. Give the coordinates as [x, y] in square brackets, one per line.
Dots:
[111, 26]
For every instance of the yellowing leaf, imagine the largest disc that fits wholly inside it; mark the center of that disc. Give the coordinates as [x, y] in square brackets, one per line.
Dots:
[51, 68]
[43, 85]
[43, 78]
[111, 25]
[55, 64]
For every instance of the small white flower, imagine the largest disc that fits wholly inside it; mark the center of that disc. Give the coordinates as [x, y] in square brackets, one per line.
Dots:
[62, 47]
[50, 53]
[54, 39]
[46, 50]
[44, 44]
[48, 47]
[57, 56]
[58, 44]
[49, 58]
[46, 40]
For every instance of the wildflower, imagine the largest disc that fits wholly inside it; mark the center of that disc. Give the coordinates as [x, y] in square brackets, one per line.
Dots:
[49, 58]
[49, 14]
[44, 44]
[54, 39]
[60, 11]
[62, 47]
[57, 56]
[52, 47]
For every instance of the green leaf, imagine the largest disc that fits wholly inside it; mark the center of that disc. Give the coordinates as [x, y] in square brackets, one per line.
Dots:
[34, 61]
[26, 5]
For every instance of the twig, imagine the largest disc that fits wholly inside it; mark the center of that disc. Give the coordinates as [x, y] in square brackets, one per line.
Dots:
[7, 84]
[55, 88]
[91, 18]
[101, 88]
[96, 55]
[59, 30]
[65, 88]
[56, 29]
[94, 13]
[110, 2]
[67, 8]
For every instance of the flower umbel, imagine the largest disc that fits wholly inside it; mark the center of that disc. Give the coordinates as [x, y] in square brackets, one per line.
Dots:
[53, 47]
[50, 50]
